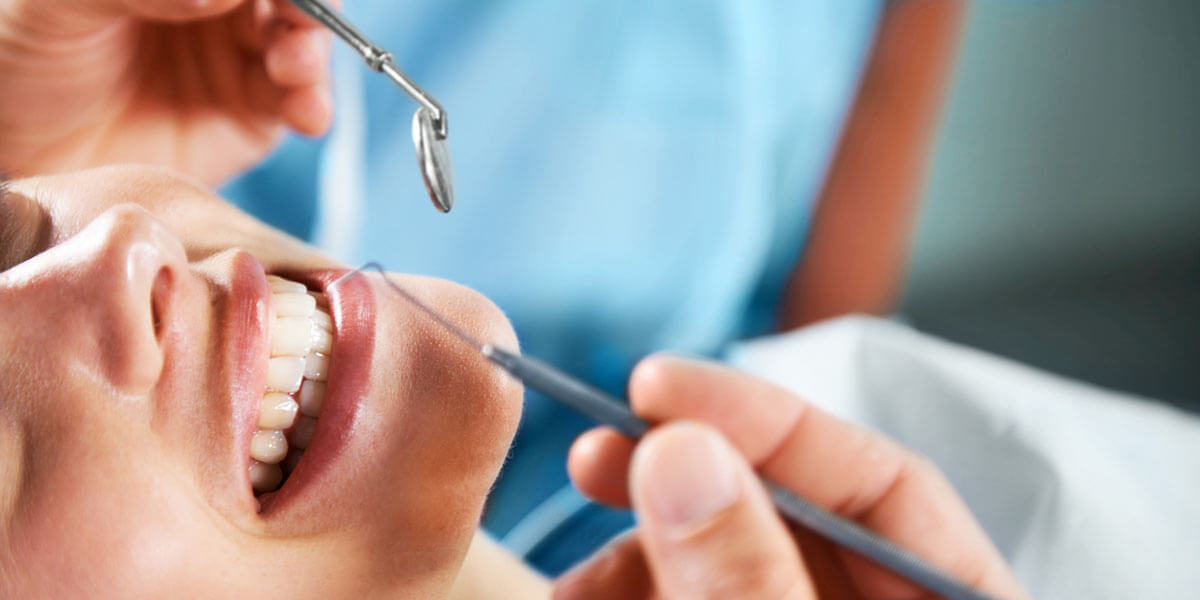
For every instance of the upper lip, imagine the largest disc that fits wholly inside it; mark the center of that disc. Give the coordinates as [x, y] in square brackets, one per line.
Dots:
[247, 326]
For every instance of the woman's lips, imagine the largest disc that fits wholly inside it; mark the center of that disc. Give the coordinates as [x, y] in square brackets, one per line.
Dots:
[247, 327]
[353, 309]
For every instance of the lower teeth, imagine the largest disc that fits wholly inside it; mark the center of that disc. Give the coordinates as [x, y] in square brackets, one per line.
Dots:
[265, 477]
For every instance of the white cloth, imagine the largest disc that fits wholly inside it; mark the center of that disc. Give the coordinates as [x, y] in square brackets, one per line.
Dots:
[1087, 492]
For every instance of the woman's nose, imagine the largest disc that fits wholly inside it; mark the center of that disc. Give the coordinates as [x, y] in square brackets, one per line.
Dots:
[129, 268]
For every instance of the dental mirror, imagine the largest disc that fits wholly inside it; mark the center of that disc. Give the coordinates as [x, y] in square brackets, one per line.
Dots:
[429, 122]
[433, 157]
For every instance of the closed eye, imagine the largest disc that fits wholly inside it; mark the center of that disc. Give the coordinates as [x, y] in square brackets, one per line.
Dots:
[24, 227]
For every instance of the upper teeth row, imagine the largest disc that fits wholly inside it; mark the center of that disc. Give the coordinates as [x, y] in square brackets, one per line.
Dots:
[301, 338]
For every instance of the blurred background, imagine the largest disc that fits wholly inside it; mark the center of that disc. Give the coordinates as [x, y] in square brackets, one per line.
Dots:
[1061, 223]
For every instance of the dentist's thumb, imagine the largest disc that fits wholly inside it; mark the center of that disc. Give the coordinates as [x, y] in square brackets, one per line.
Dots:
[706, 525]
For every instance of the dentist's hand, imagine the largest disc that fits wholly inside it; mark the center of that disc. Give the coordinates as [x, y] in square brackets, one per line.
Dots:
[706, 528]
[205, 87]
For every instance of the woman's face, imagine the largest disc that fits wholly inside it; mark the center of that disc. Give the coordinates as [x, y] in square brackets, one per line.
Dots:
[136, 363]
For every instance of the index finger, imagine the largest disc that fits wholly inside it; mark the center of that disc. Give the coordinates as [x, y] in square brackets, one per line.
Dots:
[175, 10]
[842, 467]
[294, 14]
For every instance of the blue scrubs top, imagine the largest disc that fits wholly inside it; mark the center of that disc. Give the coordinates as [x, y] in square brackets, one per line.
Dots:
[632, 176]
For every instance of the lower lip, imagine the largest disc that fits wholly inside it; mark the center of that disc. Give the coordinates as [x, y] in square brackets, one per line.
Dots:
[353, 309]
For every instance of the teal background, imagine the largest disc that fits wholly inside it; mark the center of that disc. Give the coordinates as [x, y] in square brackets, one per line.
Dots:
[1061, 223]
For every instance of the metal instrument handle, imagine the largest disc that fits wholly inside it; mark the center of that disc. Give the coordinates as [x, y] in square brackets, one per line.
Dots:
[377, 58]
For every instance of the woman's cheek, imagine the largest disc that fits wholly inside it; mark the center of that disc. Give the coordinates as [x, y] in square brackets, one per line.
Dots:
[81, 541]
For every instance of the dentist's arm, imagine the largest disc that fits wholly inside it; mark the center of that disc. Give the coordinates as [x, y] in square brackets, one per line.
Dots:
[706, 528]
[204, 87]
[856, 252]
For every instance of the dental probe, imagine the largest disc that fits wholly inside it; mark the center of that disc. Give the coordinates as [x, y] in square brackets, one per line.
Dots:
[613, 412]
[429, 127]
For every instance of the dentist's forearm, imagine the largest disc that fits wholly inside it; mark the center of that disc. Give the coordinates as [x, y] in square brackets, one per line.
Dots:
[856, 254]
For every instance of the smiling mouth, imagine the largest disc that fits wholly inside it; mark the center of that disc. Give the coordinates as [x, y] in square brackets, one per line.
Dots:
[301, 340]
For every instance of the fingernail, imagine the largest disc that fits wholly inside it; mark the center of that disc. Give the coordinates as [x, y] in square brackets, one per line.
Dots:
[690, 475]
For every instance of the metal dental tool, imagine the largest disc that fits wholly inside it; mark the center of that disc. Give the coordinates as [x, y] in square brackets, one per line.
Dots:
[429, 128]
[613, 412]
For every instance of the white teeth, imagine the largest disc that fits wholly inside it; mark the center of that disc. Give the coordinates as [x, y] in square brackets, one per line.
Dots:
[280, 285]
[322, 341]
[264, 477]
[316, 367]
[294, 305]
[312, 397]
[303, 431]
[291, 336]
[284, 374]
[301, 340]
[277, 411]
[322, 319]
[268, 446]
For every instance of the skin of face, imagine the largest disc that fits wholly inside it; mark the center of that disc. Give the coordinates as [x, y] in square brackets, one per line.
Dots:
[134, 317]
